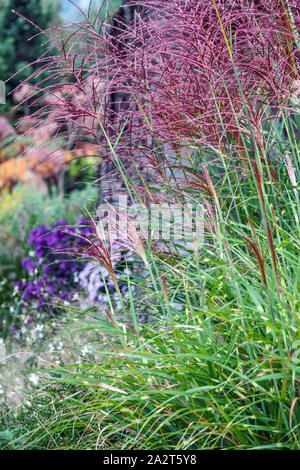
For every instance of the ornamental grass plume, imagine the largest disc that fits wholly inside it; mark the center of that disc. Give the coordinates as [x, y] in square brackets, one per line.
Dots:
[214, 75]
[212, 72]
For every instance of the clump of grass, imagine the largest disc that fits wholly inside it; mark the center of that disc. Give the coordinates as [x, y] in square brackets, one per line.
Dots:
[218, 372]
[217, 367]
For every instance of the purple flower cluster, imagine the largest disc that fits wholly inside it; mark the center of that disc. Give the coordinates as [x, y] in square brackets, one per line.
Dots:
[50, 273]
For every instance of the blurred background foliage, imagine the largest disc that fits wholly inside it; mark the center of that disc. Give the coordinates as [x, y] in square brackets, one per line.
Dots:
[21, 211]
[17, 53]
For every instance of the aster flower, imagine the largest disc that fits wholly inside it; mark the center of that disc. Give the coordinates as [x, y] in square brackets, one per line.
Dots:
[29, 265]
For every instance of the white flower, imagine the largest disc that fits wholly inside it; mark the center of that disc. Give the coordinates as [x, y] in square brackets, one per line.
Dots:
[17, 335]
[86, 350]
[51, 348]
[34, 379]
[59, 345]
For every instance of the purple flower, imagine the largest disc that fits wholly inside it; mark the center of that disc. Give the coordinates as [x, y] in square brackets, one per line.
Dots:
[30, 290]
[57, 274]
[63, 266]
[36, 234]
[60, 223]
[40, 251]
[21, 285]
[28, 265]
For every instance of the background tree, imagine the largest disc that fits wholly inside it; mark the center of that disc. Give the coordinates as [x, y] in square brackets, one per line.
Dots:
[17, 49]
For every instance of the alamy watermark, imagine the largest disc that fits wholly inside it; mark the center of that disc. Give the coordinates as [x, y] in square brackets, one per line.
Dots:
[165, 222]
[2, 93]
